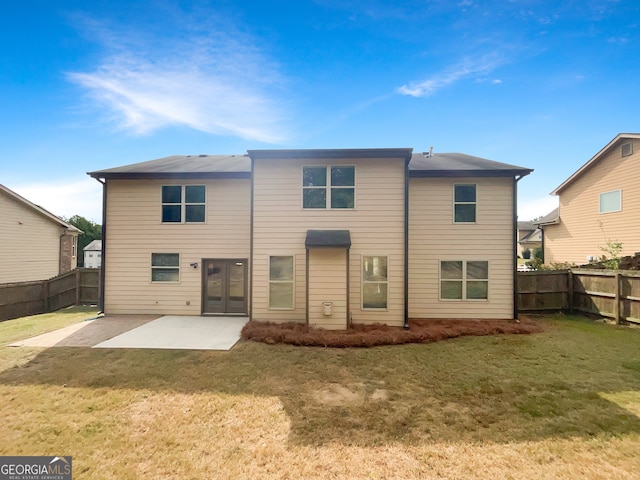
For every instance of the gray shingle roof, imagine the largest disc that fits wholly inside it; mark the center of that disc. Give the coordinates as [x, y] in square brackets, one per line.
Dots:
[239, 166]
[460, 164]
[183, 166]
[550, 218]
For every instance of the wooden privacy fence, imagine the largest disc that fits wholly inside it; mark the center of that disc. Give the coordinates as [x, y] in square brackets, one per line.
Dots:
[613, 294]
[78, 287]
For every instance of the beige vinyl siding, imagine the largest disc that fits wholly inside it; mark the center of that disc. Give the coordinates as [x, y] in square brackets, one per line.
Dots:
[29, 243]
[328, 282]
[433, 236]
[376, 225]
[135, 231]
[579, 233]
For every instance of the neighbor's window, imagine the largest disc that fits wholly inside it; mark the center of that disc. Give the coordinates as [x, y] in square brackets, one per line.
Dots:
[611, 201]
[464, 280]
[374, 282]
[183, 204]
[328, 187]
[165, 267]
[281, 282]
[626, 149]
[464, 203]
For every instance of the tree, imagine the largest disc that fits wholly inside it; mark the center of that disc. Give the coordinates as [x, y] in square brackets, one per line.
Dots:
[91, 231]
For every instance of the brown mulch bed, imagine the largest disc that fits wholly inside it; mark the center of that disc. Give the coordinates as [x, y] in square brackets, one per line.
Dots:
[420, 331]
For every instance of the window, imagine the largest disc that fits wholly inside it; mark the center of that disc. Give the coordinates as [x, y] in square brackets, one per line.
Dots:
[328, 187]
[464, 280]
[281, 282]
[165, 267]
[626, 149]
[374, 282]
[611, 201]
[464, 203]
[183, 204]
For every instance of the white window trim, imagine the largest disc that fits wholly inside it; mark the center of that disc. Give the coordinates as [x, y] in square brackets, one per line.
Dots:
[363, 282]
[453, 212]
[328, 187]
[464, 280]
[161, 282]
[292, 281]
[619, 190]
[183, 204]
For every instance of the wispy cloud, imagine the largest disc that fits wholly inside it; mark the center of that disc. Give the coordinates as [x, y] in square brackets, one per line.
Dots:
[203, 78]
[467, 68]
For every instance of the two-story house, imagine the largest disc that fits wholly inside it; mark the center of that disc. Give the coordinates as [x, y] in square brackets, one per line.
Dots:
[326, 236]
[598, 203]
[34, 243]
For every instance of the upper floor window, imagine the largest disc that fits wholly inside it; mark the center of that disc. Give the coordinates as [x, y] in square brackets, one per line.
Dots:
[464, 203]
[626, 149]
[611, 201]
[183, 204]
[328, 187]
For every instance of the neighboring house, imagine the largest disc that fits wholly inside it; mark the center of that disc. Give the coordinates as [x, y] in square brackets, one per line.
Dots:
[93, 254]
[600, 202]
[529, 238]
[34, 243]
[322, 236]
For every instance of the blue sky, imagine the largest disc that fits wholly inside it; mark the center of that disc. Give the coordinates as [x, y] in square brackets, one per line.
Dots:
[92, 85]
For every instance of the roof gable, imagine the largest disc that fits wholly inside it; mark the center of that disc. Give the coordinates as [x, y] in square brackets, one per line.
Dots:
[596, 158]
[38, 209]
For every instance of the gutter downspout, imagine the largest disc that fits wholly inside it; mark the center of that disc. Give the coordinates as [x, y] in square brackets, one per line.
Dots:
[103, 266]
[406, 244]
[516, 179]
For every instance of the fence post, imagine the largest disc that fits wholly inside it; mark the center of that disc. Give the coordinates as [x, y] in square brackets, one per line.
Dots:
[77, 286]
[570, 291]
[45, 295]
[616, 307]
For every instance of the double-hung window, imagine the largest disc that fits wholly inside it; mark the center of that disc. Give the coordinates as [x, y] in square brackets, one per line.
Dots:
[464, 280]
[375, 282]
[611, 201]
[330, 187]
[183, 204]
[281, 282]
[464, 203]
[165, 267]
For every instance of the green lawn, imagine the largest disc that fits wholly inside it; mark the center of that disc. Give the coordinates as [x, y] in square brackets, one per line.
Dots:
[561, 404]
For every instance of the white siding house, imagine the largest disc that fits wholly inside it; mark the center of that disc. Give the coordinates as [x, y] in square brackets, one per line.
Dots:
[93, 254]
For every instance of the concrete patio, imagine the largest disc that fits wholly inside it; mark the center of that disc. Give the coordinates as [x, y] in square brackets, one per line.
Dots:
[145, 331]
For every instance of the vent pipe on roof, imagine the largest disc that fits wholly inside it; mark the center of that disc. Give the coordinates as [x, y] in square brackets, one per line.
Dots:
[429, 153]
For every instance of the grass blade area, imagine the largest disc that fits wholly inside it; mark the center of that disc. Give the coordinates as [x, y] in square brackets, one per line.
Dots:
[564, 403]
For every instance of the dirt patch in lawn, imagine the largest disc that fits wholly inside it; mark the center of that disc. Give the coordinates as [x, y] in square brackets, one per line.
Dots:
[420, 331]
